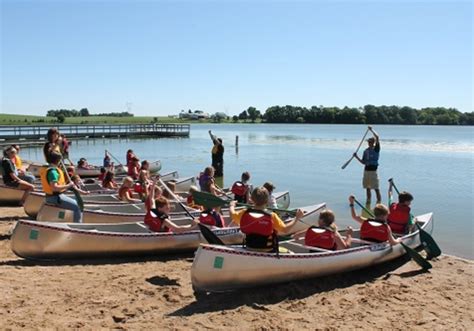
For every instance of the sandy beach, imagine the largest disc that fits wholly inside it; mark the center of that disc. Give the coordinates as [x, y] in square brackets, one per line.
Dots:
[156, 293]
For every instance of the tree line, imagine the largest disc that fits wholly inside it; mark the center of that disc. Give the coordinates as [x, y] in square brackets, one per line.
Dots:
[369, 114]
[84, 112]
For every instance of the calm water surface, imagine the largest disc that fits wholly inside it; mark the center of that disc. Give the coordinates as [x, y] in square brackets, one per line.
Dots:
[434, 163]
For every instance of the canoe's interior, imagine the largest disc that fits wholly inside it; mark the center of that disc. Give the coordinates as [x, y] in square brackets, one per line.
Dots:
[120, 227]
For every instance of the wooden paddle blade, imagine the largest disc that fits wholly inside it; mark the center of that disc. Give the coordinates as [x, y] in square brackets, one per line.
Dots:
[429, 244]
[417, 257]
[210, 236]
[208, 200]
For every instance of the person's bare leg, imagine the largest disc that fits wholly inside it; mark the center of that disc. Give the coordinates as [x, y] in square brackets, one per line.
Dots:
[369, 195]
[379, 196]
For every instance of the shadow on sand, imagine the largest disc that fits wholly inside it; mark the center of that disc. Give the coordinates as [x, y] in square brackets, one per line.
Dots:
[272, 294]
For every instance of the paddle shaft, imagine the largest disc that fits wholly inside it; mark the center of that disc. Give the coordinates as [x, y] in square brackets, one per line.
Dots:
[358, 147]
[76, 193]
[120, 163]
[363, 207]
[175, 197]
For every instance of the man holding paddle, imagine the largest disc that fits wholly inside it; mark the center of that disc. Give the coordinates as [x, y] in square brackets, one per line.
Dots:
[370, 160]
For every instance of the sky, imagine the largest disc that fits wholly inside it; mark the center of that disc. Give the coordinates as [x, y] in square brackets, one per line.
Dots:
[158, 57]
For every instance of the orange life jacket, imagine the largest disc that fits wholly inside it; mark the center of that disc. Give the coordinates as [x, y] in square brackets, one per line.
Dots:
[398, 217]
[374, 230]
[320, 237]
[211, 218]
[47, 188]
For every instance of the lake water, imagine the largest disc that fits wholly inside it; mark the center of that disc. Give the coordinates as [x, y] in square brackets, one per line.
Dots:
[434, 163]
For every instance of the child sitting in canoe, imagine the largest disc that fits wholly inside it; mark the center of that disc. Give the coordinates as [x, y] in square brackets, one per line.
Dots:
[213, 218]
[157, 217]
[83, 164]
[125, 191]
[242, 188]
[134, 168]
[272, 203]
[78, 182]
[141, 186]
[109, 181]
[207, 182]
[260, 226]
[374, 229]
[325, 235]
[400, 219]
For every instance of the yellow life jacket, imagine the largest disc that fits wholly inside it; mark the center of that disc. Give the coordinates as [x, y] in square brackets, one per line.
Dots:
[18, 162]
[47, 188]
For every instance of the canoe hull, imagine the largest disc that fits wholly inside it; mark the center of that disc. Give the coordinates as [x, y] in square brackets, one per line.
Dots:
[36, 240]
[11, 196]
[218, 268]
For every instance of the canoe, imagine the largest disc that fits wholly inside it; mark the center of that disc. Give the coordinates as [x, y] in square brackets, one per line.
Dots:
[35, 167]
[124, 213]
[35, 201]
[222, 268]
[43, 240]
[11, 196]
[104, 213]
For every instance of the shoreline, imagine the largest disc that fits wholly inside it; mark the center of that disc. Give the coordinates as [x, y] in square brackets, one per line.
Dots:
[155, 292]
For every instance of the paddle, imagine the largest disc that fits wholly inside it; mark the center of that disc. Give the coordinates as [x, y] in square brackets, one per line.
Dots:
[210, 201]
[394, 186]
[410, 251]
[120, 163]
[417, 257]
[358, 147]
[206, 232]
[428, 242]
[79, 200]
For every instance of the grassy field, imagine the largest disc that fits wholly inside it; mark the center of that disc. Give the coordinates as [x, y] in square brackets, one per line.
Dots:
[10, 119]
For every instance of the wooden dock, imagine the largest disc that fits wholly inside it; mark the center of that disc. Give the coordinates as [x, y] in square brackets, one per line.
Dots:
[31, 134]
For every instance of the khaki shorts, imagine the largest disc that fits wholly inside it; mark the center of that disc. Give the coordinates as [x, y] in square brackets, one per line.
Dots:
[371, 180]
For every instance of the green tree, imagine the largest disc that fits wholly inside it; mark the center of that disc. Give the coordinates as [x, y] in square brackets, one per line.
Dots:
[243, 115]
[253, 113]
[61, 118]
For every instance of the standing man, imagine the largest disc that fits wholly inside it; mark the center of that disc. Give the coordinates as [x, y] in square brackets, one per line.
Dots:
[370, 160]
[217, 155]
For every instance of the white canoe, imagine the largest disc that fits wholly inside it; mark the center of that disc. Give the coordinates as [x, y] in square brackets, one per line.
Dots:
[11, 195]
[221, 268]
[124, 213]
[35, 167]
[44, 240]
[35, 201]
[38, 240]
[103, 213]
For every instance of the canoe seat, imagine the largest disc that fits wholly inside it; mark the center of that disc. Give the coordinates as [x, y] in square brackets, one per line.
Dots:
[363, 242]
[141, 225]
[297, 247]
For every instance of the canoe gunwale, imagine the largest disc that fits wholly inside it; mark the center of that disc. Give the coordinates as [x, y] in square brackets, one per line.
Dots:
[64, 228]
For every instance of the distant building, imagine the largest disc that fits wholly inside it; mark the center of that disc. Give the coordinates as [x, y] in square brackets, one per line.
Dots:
[193, 115]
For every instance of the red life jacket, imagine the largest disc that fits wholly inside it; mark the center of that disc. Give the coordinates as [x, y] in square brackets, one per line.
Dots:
[320, 237]
[133, 171]
[154, 222]
[399, 217]
[211, 218]
[138, 187]
[101, 176]
[239, 189]
[374, 231]
[257, 225]
[256, 222]
[190, 200]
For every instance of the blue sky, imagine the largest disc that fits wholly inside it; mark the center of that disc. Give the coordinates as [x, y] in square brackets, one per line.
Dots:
[164, 56]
